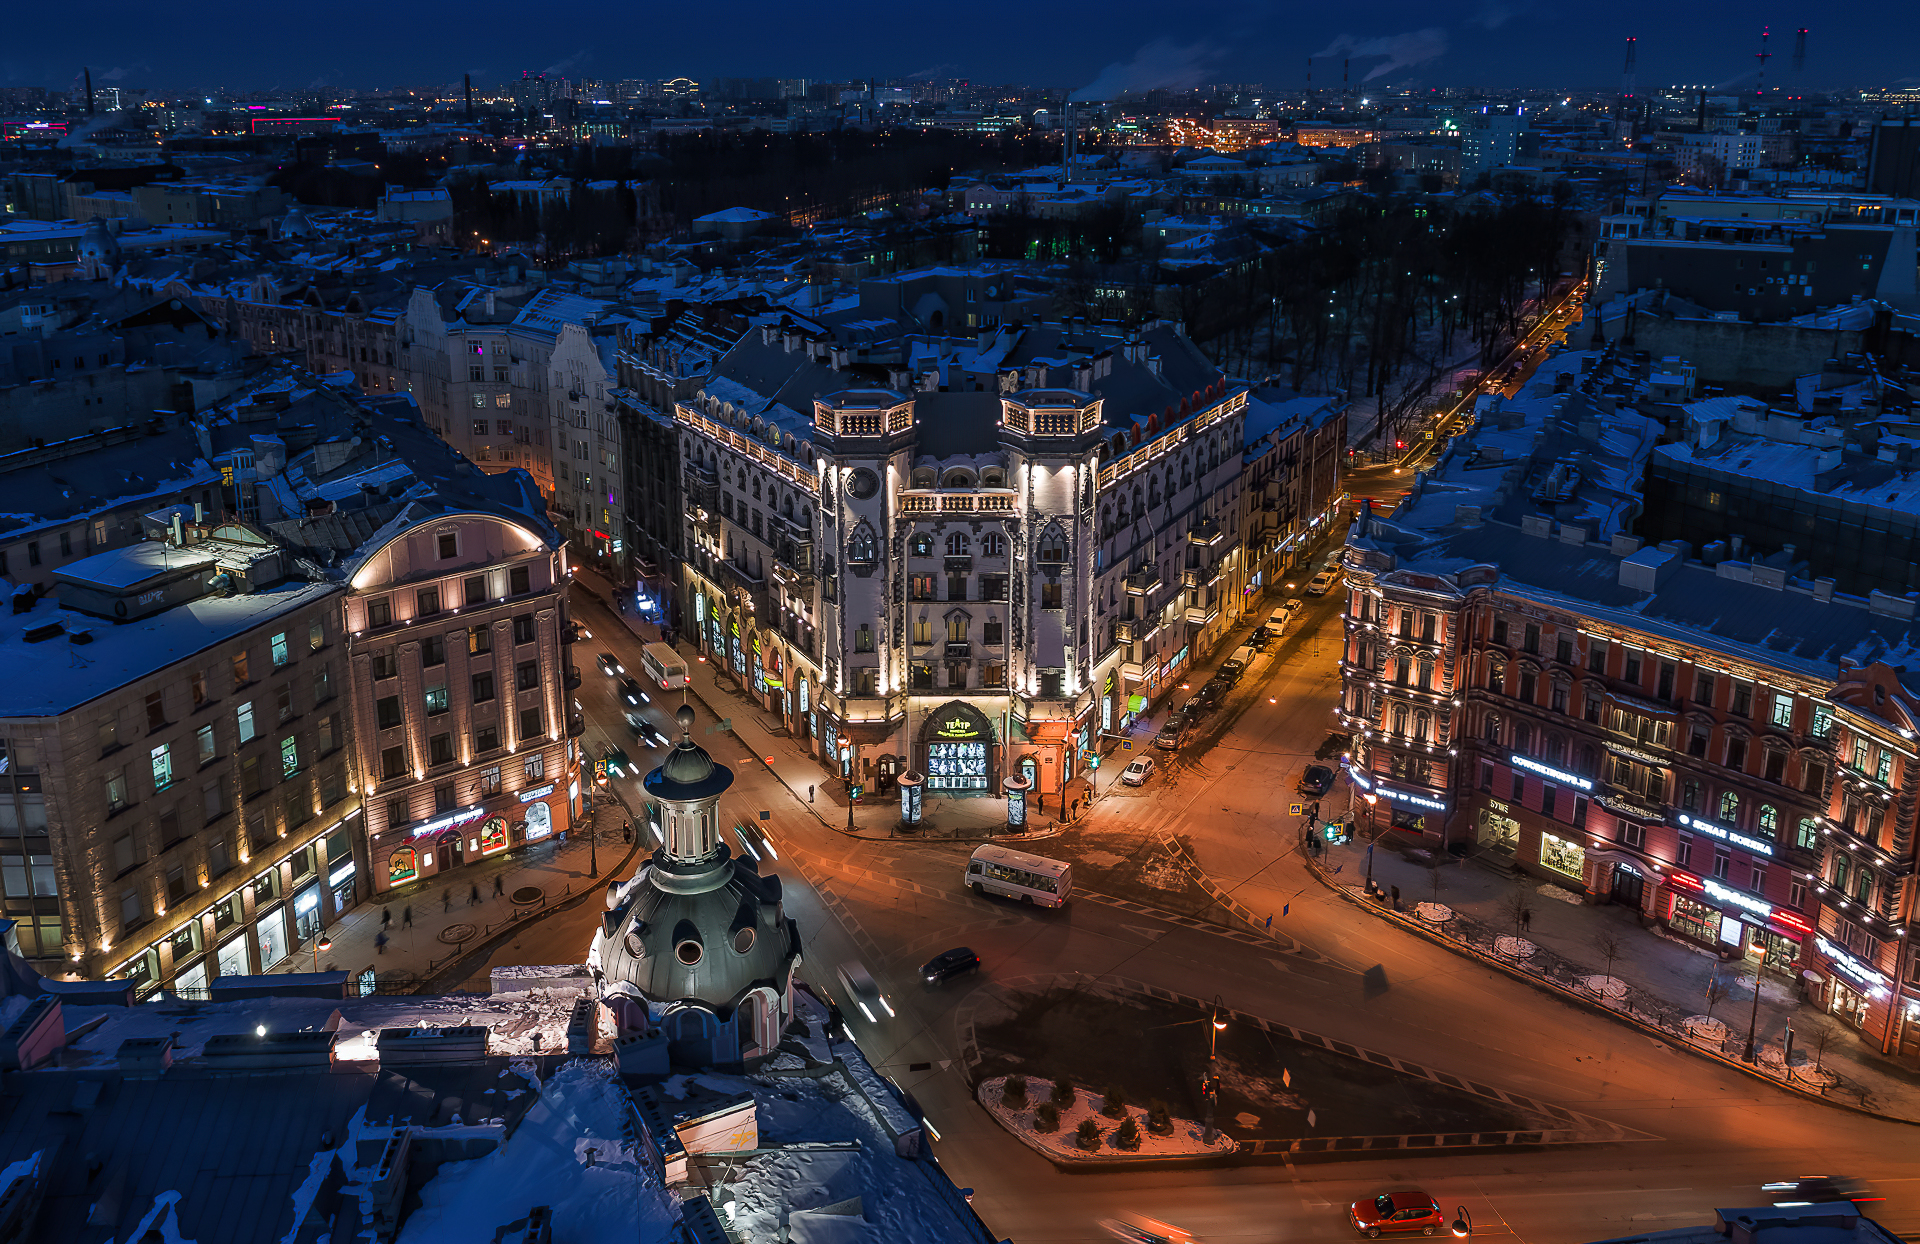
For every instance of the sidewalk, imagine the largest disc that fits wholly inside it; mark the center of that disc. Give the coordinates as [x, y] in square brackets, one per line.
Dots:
[443, 929]
[1664, 978]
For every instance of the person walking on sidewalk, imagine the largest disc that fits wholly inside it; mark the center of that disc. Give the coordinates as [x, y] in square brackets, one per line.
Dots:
[406, 916]
[809, 794]
[380, 943]
[386, 918]
[473, 895]
[499, 885]
[446, 899]
[1526, 919]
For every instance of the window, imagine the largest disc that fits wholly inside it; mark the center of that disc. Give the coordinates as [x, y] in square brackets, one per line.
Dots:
[116, 790]
[993, 587]
[278, 648]
[449, 543]
[1730, 807]
[250, 784]
[526, 675]
[1632, 674]
[991, 632]
[443, 797]
[243, 719]
[1736, 753]
[1631, 835]
[530, 726]
[479, 639]
[483, 687]
[1530, 636]
[1742, 704]
[436, 699]
[427, 602]
[205, 741]
[490, 781]
[316, 635]
[920, 587]
[240, 678]
[1562, 855]
[922, 631]
[1797, 895]
[1597, 655]
[440, 749]
[386, 712]
[523, 629]
[329, 733]
[433, 651]
[863, 638]
[1822, 721]
[474, 590]
[156, 712]
[1782, 715]
[289, 756]
[1722, 864]
[283, 703]
[1683, 854]
[323, 682]
[379, 612]
[1549, 794]
[1519, 787]
[198, 685]
[993, 545]
[1703, 688]
[486, 739]
[519, 581]
[536, 768]
[1806, 834]
[956, 587]
[1050, 596]
[920, 546]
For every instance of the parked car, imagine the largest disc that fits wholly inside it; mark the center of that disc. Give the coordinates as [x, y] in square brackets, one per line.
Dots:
[1260, 638]
[1231, 669]
[948, 964]
[1208, 697]
[862, 991]
[1172, 734]
[630, 692]
[1396, 1212]
[1317, 780]
[611, 667]
[1137, 773]
[1323, 582]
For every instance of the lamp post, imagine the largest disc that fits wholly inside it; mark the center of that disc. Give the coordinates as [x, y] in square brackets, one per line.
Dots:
[846, 770]
[1213, 1052]
[593, 845]
[323, 942]
[1462, 1222]
[1753, 1019]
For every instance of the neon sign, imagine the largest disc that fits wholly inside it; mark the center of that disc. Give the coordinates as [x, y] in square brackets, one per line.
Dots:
[1745, 901]
[449, 821]
[1851, 966]
[1558, 775]
[1755, 845]
[1412, 800]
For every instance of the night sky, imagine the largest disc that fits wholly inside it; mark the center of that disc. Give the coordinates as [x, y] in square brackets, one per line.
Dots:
[1115, 43]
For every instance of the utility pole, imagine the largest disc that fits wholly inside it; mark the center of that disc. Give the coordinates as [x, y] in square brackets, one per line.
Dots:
[1753, 1019]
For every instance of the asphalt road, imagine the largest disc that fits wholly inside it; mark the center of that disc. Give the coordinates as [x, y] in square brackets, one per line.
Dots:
[1710, 1136]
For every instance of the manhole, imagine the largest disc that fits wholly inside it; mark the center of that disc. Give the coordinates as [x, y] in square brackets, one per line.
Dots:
[527, 894]
[454, 934]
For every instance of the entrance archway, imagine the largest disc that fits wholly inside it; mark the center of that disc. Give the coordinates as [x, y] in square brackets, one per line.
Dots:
[959, 751]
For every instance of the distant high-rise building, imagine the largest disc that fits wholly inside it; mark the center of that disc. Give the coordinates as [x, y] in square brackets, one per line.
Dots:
[1493, 140]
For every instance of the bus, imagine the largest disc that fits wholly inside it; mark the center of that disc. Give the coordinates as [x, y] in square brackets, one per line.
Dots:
[664, 666]
[1015, 874]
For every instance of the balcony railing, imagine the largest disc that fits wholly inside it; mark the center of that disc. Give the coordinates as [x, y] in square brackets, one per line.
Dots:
[1206, 532]
[1200, 615]
[958, 649]
[1143, 582]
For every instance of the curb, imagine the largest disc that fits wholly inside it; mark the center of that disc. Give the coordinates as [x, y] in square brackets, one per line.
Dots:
[1566, 995]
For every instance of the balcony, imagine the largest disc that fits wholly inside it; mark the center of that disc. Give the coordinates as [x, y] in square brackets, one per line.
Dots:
[1206, 533]
[1143, 582]
[959, 649]
[1200, 615]
[744, 577]
[576, 725]
[957, 501]
[1132, 671]
[959, 565]
[1201, 576]
[1131, 630]
[573, 677]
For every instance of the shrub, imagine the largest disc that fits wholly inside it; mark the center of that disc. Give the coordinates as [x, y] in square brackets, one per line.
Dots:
[1127, 1135]
[1159, 1118]
[1046, 1117]
[1088, 1135]
[1013, 1094]
[1063, 1094]
[1115, 1104]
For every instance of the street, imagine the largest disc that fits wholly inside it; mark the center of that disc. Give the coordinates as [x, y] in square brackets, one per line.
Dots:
[1711, 1135]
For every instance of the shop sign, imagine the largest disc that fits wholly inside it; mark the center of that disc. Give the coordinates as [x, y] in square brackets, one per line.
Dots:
[959, 728]
[1745, 902]
[340, 875]
[1356, 777]
[1755, 845]
[1852, 966]
[1412, 800]
[538, 792]
[1559, 775]
[463, 816]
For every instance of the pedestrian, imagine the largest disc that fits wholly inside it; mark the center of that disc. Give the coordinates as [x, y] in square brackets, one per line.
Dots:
[809, 794]
[836, 1023]
[446, 899]
[499, 885]
[1526, 919]
[380, 943]
[386, 918]
[473, 895]
[406, 916]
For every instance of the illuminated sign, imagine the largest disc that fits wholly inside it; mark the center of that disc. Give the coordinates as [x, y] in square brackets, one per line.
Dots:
[464, 816]
[1851, 966]
[1558, 775]
[1356, 777]
[1745, 901]
[959, 728]
[1755, 845]
[538, 792]
[340, 874]
[1412, 800]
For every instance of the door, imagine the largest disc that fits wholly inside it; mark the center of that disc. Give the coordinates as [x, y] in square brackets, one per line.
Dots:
[1628, 888]
[453, 849]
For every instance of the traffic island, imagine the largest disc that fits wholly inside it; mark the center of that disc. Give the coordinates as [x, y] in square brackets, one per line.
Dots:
[1278, 1091]
[1090, 1130]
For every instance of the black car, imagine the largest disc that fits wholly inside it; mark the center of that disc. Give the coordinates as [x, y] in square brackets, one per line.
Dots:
[1208, 699]
[948, 964]
[1317, 780]
[630, 691]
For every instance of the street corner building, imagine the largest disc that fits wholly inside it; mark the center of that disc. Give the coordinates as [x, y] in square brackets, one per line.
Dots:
[273, 658]
[970, 557]
[1722, 740]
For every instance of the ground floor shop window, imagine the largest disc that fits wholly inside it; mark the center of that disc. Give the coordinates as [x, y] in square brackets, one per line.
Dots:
[402, 865]
[306, 914]
[493, 835]
[1498, 831]
[1563, 856]
[1696, 920]
[1848, 1005]
[1409, 820]
[956, 766]
[539, 820]
[1781, 950]
[190, 982]
[233, 956]
[272, 931]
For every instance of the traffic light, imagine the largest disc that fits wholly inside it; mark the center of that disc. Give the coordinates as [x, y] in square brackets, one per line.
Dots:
[1399, 444]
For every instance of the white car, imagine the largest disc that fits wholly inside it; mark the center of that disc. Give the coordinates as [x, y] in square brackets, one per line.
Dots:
[862, 991]
[1137, 773]
[1323, 582]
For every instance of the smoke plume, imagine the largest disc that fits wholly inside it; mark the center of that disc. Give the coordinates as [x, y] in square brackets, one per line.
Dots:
[1158, 64]
[1393, 51]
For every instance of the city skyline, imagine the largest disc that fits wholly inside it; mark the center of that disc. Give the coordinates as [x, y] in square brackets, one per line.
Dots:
[1484, 42]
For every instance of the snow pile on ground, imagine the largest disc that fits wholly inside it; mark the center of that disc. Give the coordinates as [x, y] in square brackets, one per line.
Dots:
[1513, 947]
[1562, 894]
[1704, 1027]
[546, 1162]
[1188, 1137]
[1611, 988]
[1433, 913]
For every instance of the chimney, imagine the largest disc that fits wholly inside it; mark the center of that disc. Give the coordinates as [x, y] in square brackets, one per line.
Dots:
[89, 74]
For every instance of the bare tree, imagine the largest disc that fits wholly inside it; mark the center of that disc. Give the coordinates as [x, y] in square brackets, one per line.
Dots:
[1823, 1034]
[1718, 987]
[1433, 876]
[1519, 906]
[1607, 942]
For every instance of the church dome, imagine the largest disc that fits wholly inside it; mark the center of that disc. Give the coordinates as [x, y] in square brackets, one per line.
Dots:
[98, 242]
[688, 773]
[711, 947]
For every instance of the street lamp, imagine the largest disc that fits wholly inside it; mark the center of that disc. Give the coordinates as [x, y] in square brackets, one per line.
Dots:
[320, 943]
[1462, 1222]
[1213, 1082]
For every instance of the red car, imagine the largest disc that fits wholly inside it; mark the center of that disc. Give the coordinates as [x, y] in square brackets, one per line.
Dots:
[1397, 1212]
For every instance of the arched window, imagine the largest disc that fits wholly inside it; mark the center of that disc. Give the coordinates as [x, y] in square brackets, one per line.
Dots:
[922, 545]
[1730, 807]
[1493, 728]
[1422, 724]
[1401, 664]
[959, 479]
[1399, 719]
[1053, 547]
[957, 544]
[1496, 675]
[402, 865]
[861, 547]
[993, 545]
[1589, 761]
[1769, 821]
[1426, 672]
[1556, 750]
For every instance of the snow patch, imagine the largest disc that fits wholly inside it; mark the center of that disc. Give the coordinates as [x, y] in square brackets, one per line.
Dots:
[1433, 913]
[1188, 1139]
